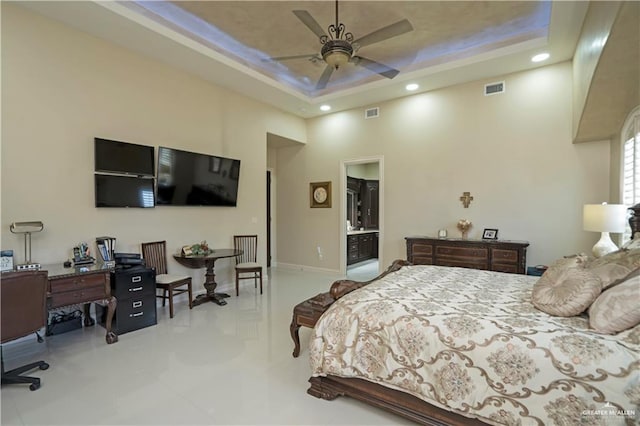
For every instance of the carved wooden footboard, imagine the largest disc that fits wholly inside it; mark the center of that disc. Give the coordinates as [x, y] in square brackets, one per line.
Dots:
[403, 404]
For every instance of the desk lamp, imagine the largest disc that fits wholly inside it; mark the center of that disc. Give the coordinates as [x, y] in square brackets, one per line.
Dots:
[27, 228]
[604, 218]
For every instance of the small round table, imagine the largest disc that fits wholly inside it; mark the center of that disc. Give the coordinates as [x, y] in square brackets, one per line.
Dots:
[208, 261]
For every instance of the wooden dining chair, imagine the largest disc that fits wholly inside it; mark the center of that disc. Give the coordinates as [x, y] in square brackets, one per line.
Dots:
[155, 256]
[247, 262]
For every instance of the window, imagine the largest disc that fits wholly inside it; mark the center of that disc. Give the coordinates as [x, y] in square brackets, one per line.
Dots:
[631, 162]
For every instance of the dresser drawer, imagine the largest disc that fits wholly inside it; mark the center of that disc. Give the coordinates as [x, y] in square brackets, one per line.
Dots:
[500, 267]
[462, 252]
[418, 249]
[504, 256]
[81, 295]
[421, 260]
[62, 285]
[478, 264]
[420, 254]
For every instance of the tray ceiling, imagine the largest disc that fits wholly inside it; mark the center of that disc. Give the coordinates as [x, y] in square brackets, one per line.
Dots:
[230, 42]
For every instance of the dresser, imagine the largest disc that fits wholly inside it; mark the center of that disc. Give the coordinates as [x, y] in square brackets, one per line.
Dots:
[492, 255]
[135, 289]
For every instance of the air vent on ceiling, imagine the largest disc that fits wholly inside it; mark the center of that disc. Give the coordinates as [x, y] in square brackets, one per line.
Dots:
[372, 112]
[493, 88]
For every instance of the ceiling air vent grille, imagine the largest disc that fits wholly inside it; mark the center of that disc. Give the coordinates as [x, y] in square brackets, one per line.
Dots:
[494, 88]
[372, 113]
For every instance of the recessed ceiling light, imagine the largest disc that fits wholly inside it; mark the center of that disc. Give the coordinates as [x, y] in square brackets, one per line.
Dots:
[540, 57]
[411, 87]
[325, 108]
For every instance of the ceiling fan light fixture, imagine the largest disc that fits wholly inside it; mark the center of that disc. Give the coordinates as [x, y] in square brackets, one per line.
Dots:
[337, 53]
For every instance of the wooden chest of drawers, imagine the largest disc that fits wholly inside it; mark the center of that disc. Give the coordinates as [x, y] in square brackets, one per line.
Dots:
[493, 255]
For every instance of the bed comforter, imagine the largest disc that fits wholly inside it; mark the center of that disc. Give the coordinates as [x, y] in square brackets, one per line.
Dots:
[471, 342]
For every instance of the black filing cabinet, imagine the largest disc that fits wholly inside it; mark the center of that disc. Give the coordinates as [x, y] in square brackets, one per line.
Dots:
[135, 292]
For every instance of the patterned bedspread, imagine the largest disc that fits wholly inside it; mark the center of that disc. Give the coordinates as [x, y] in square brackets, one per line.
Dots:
[471, 342]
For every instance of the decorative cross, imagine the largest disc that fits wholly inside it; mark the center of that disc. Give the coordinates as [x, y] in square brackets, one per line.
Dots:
[466, 199]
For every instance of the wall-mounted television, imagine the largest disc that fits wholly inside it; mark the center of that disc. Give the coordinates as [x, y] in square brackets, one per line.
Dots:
[123, 157]
[124, 191]
[191, 179]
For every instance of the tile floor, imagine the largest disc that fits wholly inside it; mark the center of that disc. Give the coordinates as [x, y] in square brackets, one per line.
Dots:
[212, 365]
[363, 271]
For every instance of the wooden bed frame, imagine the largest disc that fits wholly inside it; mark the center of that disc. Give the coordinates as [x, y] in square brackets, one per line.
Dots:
[405, 405]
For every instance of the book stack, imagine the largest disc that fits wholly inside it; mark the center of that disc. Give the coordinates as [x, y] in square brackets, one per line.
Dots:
[106, 248]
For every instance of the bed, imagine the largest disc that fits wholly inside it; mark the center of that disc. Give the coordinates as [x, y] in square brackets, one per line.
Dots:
[453, 346]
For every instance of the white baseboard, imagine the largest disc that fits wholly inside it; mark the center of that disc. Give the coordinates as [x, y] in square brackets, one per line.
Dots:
[305, 268]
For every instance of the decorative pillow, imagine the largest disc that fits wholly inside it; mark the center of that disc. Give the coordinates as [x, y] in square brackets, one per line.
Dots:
[632, 244]
[566, 292]
[574, 261]
[615, 267]
[617, 308]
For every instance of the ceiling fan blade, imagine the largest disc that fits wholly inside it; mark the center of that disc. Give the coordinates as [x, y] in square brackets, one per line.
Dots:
[376, 67]
[311, 23]
[385, 33]
[324, 78]
[284, 58]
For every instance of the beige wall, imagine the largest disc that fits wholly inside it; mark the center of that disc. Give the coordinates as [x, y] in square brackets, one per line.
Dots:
[513, 152]
[61, 88]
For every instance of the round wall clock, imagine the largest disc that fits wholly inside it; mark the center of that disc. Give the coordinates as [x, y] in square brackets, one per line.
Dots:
[320, 194]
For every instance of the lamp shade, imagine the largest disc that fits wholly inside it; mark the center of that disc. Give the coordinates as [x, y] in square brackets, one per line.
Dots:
[604, 217]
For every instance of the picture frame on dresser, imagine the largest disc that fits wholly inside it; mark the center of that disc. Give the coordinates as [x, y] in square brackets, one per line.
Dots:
[490, 234]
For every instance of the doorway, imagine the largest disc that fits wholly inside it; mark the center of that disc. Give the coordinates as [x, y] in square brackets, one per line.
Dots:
[362, 218]
[269, 218]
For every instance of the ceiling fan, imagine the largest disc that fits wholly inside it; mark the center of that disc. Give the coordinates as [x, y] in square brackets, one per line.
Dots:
[339, 46]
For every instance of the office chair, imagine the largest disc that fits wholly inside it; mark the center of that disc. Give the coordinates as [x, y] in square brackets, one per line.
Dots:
[246, 263]
[155, 256]
[23, 298]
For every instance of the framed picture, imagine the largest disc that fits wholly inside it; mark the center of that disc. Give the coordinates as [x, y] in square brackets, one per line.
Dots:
[490, 234]
[6, 260]
[320, 194]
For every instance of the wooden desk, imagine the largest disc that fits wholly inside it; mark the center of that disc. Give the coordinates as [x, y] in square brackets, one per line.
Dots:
[82, 285]
[208, 261]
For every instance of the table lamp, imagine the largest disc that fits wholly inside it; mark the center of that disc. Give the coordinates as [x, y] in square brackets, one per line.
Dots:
[27, 228]
[604, 218]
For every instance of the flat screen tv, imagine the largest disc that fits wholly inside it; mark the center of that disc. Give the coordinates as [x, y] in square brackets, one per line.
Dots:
[124, 191]
[123, 157]
[191, 179]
